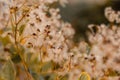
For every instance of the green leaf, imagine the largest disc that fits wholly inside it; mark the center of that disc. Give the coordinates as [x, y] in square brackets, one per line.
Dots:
[28, 58]
[5, 40]
[65, 77]
[8, 71]
[84, 76]
[21, 29]
[13, 28]
[88, 49]
[50, 76]
[12, 50]
[47, 66]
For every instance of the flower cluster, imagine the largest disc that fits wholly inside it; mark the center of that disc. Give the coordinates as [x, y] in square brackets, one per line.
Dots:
[99, 57]
[106, 50]
[45, 30]
[111, 15]
[35, 41]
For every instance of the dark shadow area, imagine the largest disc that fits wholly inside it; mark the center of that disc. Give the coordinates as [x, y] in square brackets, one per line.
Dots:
[83, 14]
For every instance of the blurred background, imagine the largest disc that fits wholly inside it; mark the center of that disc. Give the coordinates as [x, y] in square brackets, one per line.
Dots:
[81, 13]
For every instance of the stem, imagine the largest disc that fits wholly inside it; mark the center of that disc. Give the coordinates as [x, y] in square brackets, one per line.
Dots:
[41, 55]
[15, 28]
[69, 64]
[24, 64]
[21, 19]
[29, 77]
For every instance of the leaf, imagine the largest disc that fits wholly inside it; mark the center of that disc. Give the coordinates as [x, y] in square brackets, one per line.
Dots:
[50, 76]
[8, 71]
[47, 66]
[13, 28]
[12, 50]
[84, 76]
[28, 57]
[16, 58]
[65, 77]
[21, 29]
[34, 75]
[5, 40]
[88, 49]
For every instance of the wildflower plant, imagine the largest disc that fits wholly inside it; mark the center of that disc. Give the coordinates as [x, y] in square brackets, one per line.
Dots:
[36, 44]
[34, 39]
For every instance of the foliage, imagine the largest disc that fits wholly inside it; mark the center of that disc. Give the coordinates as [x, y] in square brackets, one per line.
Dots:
[35, 44]
[84, 76]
